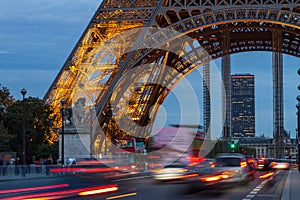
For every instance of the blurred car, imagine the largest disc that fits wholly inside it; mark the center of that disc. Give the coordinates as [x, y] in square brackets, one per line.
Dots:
[202, 166]
[206, 175]
[171, 172]
[264, 164]
[252, 164]
[235, 167]
[280, 164]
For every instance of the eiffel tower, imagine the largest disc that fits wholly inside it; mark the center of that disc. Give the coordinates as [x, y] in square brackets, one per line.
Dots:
[133, 52]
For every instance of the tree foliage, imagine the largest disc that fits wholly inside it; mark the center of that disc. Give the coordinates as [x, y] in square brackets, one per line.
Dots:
[47, 150]
[6, 99]
[38, 124]
[6, 138]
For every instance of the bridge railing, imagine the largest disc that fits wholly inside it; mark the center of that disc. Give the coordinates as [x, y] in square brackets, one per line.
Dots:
[23, 170]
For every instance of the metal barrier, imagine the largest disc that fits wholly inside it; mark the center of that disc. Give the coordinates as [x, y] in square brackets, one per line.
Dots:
[21, 170]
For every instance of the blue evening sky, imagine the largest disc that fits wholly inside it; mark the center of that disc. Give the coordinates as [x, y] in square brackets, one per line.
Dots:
[37, 36]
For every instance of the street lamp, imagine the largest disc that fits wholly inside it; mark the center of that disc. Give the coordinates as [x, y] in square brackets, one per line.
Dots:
[63, 103]
[23, 92]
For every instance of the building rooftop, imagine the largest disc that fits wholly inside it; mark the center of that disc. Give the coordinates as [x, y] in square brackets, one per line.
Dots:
[255, 140]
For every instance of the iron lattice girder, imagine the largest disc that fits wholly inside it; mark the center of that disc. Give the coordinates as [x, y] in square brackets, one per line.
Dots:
[256, 46]
[204, 4]
[129, 3]
[82, 56]
[218, 17]
[227, 19]
[127, 14]
[125, 10]
[244, 39]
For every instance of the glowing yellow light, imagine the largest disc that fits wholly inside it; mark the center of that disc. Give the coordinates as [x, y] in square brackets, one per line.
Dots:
[104, 190]
[243, 164]
[121, 196]
[224, 176]
[267, 175]
[210, 178]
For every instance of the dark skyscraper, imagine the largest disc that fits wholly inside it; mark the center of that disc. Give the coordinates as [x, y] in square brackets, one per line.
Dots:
[243, 105]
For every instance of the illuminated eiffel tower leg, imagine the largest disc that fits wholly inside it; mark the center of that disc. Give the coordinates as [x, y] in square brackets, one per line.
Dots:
[93, 63]
[103, 55]
[111, 19]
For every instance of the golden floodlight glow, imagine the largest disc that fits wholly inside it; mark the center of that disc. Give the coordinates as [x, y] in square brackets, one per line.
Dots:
[243, 164]
[267, 175]
[210, 178]
[99, 191]
[213, 178]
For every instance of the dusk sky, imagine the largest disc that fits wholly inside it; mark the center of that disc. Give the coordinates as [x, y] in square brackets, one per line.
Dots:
[37, 36]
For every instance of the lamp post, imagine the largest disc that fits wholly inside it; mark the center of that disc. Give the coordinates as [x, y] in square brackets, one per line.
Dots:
[23, 92]
[63, 103]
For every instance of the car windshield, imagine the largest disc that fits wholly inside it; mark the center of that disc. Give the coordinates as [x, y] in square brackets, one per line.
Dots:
[227, 162]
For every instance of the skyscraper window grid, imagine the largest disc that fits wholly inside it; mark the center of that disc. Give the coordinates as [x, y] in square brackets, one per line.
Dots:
[243, 105]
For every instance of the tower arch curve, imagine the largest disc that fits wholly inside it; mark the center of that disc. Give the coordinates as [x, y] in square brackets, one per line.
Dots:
[216, 29]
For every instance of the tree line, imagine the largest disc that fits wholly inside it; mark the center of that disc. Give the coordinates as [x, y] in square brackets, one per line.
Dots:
[40, 132]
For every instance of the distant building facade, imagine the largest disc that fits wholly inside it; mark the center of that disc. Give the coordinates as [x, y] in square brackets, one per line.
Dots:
[243, 105]
[264, 147]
